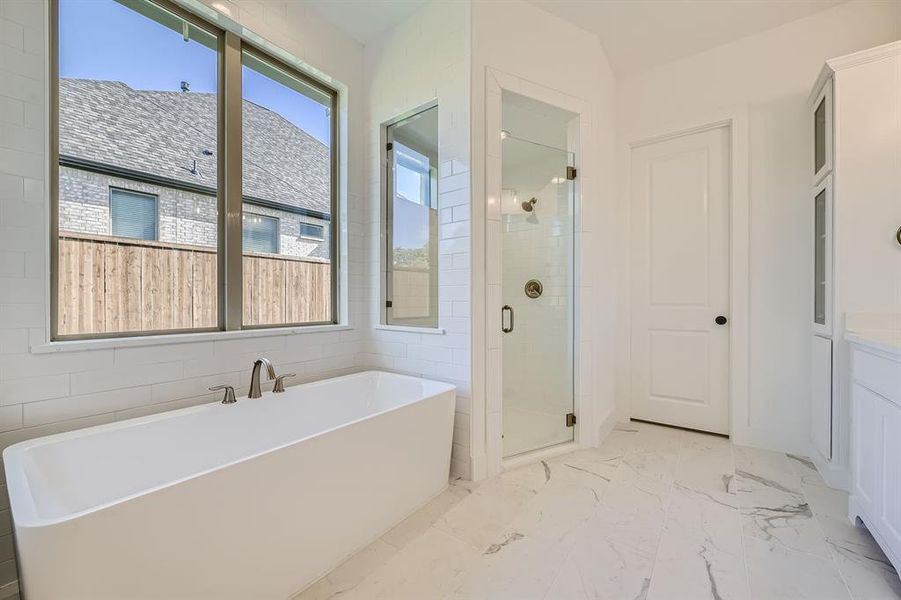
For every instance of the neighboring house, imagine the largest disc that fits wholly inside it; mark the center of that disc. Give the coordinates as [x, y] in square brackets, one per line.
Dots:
[142, 164]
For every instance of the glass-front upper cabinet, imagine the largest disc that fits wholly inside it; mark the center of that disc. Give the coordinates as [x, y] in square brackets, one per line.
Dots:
[822, 261]
[822, 132]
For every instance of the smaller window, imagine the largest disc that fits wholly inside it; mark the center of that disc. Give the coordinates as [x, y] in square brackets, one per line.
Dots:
[312, 231]
[411, 225]
[133, 214]
[260, 233]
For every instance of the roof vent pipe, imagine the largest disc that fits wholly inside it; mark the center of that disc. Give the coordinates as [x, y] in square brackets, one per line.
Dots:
[185, 86]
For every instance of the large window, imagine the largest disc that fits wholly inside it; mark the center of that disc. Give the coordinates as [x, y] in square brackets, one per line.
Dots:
[411, 221]
[187, 164]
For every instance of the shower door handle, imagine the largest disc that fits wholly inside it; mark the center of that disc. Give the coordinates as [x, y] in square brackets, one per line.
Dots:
[507, 308]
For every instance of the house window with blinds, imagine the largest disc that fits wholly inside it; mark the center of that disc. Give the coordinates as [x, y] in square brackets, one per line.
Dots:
[260, 233]
[133, 214]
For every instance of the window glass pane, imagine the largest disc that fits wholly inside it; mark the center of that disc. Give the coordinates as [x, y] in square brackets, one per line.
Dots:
[819, 302]
[313, 232]
[138, 116]
[132, 215]
[260, 233]
[819, 136]
[411, 285]
[287, 175]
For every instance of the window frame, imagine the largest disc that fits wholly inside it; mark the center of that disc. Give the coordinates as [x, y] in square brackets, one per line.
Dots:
[229, 197]
[387, 216]
[156, 220]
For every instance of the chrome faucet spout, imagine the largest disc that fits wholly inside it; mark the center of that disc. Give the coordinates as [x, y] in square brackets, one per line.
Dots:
[255, 391]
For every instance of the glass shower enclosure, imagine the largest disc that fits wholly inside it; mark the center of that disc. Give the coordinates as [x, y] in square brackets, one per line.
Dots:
[537, 266]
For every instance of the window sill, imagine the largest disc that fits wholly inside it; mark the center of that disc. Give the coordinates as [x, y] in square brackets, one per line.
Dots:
[405, 329]
[177, 338]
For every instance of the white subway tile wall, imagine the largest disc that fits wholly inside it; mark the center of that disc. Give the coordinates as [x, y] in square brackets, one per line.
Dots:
[41, 394]
[438, 36]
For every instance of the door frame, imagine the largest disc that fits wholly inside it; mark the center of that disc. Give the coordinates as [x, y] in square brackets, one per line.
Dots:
[735, 120]
[487, 425]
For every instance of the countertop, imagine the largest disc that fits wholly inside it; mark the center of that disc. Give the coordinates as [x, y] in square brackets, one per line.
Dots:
[878, 339]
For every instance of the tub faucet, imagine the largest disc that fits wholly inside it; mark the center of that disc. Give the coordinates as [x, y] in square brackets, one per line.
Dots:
[255, 391]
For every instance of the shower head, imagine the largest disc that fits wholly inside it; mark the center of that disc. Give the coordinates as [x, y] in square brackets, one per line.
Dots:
[528, 205]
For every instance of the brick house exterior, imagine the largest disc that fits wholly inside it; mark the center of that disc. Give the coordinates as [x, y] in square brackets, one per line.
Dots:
[164, 144]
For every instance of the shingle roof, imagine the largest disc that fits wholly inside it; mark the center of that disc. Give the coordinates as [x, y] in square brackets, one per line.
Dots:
[163, 133]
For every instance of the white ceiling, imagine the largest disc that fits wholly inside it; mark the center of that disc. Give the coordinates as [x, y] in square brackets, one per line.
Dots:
[636, 34]
[365, 20]
[639, 34]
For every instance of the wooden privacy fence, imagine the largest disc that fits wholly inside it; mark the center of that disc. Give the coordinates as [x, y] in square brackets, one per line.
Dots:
[113, 285]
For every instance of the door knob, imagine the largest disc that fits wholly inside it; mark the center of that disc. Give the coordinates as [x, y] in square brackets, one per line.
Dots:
[721, 320]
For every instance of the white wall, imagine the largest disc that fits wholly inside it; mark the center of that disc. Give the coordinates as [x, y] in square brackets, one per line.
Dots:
[426, 57]
[42, 394]
[522, 40]
[771, 74]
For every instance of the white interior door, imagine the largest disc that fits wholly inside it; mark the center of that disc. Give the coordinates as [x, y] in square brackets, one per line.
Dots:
[680, 281]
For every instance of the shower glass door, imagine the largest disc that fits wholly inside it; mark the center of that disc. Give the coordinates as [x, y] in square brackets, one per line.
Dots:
[537, 293]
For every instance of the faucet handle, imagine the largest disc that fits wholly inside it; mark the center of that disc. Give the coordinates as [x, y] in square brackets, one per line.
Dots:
[279, 386]
[229, 397]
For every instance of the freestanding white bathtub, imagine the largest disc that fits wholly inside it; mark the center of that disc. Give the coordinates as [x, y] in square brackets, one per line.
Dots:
[256, 499]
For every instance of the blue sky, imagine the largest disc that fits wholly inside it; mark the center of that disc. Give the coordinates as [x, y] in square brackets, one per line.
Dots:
[101, 39]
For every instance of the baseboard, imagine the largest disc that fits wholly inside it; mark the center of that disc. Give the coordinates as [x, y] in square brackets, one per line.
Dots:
[478, 467]
[767, 440]
[606, 425]
[835, 476]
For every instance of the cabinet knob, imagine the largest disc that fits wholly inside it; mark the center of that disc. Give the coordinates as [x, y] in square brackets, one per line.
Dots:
[721, 320]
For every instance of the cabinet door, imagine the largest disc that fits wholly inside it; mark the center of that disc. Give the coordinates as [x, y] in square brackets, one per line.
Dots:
[889, 519]
[867, 447]
[822, 133]
[821, 397]
[822, 258]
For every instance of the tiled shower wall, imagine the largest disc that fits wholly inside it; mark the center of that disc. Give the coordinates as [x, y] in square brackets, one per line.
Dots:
[42, 394]
[427, 57]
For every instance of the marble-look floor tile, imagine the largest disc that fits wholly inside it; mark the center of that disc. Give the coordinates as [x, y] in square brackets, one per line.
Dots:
[773, 506]
[659, 465]
[865, 568]
[484, 515]
[613, 554]
[788, 523]
[700, 553]
[606, 564]
[806, 470]
[349, 573]
[420, 521]
[654, 513]
[766, 470]
[656, 438]
[426, 568]
[776, 573]
[706, 463]
[518, 567]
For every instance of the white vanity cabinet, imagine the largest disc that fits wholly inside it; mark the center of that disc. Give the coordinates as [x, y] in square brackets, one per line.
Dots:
[876, 439]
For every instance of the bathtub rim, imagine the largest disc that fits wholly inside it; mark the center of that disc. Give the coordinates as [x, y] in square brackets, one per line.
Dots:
[23, 506]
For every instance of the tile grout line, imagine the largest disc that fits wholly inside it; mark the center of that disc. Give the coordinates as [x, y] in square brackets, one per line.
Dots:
[819, 526]
[572, 548]
[741, 524]
[666, 512]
